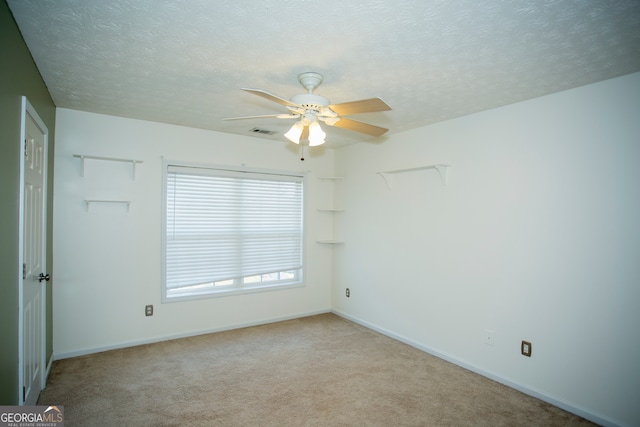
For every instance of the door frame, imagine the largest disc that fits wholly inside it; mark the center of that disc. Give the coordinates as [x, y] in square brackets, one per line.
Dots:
[27, 108]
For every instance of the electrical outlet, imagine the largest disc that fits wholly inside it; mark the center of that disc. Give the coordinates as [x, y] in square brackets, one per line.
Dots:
[488, 337]
[148, 310]
[525, 348]
[347, 293]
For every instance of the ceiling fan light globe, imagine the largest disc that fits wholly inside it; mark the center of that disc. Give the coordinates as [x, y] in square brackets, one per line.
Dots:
[316, 134]
[294, 133]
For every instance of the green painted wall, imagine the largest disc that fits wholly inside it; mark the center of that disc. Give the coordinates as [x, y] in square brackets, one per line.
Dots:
[18, 77]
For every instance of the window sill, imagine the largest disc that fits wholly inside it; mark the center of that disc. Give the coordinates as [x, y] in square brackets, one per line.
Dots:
[229, 292]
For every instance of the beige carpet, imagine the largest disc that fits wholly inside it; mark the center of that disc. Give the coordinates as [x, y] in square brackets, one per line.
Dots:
[316, 371]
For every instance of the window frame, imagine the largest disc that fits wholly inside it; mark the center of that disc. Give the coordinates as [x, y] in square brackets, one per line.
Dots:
[236, 288]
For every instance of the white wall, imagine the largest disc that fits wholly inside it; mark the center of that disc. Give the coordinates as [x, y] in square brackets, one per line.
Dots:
[107, 261]
[536, 237]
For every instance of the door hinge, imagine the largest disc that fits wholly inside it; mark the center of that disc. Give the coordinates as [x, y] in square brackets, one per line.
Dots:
[24, 271]
[26, 149]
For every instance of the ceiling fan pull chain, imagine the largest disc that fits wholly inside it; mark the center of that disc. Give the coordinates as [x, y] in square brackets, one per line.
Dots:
[302, 152]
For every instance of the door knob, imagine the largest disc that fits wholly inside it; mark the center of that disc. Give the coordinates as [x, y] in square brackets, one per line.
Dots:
[44, 277]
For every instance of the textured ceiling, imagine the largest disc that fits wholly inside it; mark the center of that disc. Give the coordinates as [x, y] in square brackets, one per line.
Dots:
[184, 61]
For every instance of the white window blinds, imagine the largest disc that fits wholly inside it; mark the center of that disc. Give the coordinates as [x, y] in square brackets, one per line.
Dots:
[224, 225]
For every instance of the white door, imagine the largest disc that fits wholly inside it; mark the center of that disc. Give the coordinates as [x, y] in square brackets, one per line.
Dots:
[34, 273]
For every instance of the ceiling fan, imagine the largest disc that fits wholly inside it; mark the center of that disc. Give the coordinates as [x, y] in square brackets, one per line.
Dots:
[310, 108]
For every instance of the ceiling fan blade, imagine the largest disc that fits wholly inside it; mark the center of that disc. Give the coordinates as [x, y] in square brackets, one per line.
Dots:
[265, 116]
[371, 105]
[270, 97]
[349, 124]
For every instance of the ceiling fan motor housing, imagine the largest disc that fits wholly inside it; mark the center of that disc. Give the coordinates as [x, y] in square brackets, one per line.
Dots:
[310, 101]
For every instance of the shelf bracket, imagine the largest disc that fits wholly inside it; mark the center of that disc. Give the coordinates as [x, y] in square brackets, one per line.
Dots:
[388, 178]
[443, 170]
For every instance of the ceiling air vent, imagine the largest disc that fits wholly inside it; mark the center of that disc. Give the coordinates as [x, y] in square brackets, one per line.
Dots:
[263, 131]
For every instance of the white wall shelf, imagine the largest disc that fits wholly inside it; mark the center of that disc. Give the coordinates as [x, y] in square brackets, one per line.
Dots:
[332, 179]
[443, 170]
[83, 158]
[88, 203]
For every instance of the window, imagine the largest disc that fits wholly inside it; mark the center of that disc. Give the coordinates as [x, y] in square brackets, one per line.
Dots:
[229, 231]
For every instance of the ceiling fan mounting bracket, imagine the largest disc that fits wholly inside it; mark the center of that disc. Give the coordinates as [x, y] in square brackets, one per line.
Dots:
[310, 80]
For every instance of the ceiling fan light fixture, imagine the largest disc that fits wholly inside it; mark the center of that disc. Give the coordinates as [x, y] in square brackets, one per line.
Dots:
[316, 134]
[294, 133]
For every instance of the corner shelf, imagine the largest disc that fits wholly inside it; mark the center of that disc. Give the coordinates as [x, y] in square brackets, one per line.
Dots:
[122, 202]
[331, 179]
[83, 158]
[443, 170]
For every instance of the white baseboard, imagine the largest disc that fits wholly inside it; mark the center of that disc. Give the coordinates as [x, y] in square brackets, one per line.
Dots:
[84, 352]
[49, 367]
[47, 372]
[531, 391]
